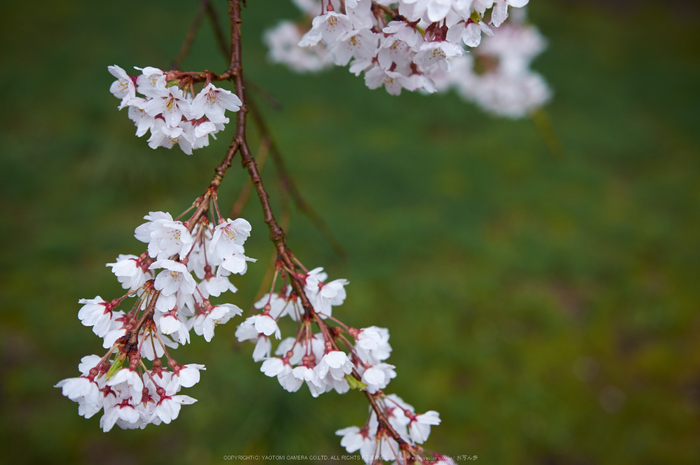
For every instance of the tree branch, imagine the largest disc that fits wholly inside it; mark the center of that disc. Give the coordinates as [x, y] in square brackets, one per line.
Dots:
[189, 38]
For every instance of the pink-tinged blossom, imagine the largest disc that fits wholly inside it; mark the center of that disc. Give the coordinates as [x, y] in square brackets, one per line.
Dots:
[229, 237]
[129, 272]
[212, 102]
[279, 306]
[480, 6]
[171, 105]
[468, 32]
[360, 13]
[143, 121]
[431, 10]
[372, 345]
[123, 412]
[123, 87]
[405, 33]
[96, 313]
[328, 27]
[151, 82]
[174, 278]
[266, 325]
[283, 43]
[396, 411]
[204, 324]
[85, 392]
[164, 236]
[128, 383]
[298, 350]
[359, 44]
[257, 325]
[168, 323]
[236, 263]
[336, 363]
[163, 135]
[87, 363]
[377, 377]
[355, 439]
[324, 296]
[419, 428]
[263, 349]
[437, 54]
[500, 10]
[288, 381]
[168, 407]
[166, 302]
[215, 286]
[143, 232]
[392, 81]
[395, 52]
[117, 329]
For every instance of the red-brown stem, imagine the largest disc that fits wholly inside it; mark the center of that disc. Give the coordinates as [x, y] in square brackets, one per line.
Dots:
[290, 186]
[243, 197]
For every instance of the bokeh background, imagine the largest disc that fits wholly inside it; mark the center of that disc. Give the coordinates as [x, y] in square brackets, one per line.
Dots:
[544, 302]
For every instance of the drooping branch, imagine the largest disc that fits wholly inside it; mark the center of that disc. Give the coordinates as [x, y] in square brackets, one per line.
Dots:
[189, 38]
[218, 31]
[277, 235]
[288, 184]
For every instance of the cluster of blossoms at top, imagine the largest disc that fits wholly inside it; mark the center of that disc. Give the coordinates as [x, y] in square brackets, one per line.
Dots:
[170, 303]
[318, 360]
[420, 45]
[173, 116]
[504, 84]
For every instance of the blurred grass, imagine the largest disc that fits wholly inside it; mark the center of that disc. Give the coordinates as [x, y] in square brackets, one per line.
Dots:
[546, 306]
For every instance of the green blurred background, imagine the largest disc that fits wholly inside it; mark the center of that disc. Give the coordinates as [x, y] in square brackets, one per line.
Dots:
[546, 306]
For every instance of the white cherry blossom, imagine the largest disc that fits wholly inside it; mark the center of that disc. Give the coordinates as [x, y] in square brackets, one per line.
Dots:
[174, 278]
[129, 271]
[129, 383]
[204, 324]
[151, 82]
[96, 313]
[500, 10]
[213, 102]
[419, 428]
[124, 87]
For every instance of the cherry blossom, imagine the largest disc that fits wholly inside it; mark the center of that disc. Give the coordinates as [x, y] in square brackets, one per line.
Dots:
[212, 102]
[124, 87]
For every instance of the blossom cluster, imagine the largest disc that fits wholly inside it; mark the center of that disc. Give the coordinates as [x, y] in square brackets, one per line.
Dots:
[497, 76]
[307, 357]
[318, 360]
[375, 443]
[173, 116]
[170, 303]
[419, 45]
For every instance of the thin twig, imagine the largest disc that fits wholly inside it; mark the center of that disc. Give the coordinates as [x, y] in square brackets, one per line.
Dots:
[247, 187]
[274, 104]
[189, 38]
[290, 186]
[218, 31]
